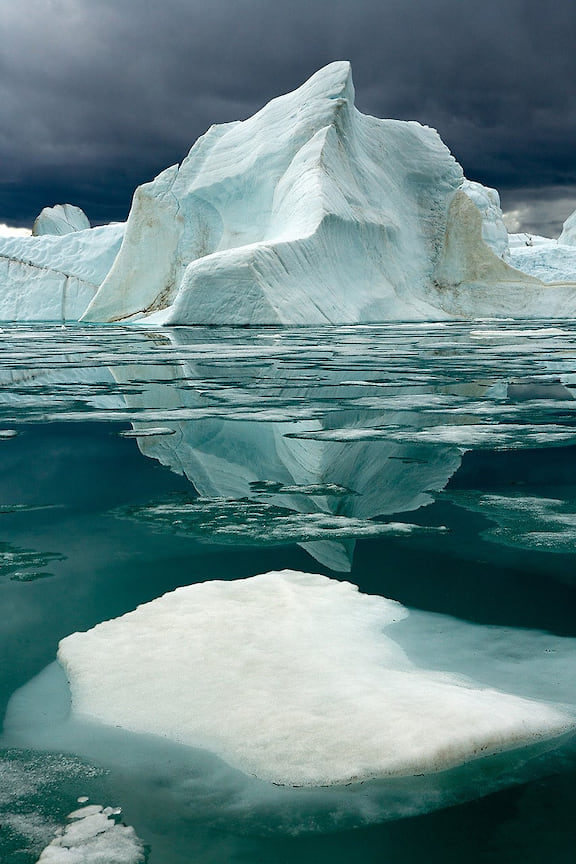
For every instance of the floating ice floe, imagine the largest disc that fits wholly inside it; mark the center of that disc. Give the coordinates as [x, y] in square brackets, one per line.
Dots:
[494, 436]
[525, 521]
[94, 835]
[32, 786]
[295, 678]
[147, 432]
[221, 520]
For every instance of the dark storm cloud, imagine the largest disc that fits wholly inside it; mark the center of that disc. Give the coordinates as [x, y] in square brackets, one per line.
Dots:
[99, 95]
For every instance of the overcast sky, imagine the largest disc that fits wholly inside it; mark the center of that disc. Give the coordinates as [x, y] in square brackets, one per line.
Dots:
[97, 96]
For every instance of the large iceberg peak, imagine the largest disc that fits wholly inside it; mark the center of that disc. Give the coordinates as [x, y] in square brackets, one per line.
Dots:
[307, 212]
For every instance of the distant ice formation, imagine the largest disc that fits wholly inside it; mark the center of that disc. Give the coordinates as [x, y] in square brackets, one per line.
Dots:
[60, 219]
[295, 678]
[309, 212]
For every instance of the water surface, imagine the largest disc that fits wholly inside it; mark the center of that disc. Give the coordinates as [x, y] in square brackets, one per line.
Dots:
[433, 464]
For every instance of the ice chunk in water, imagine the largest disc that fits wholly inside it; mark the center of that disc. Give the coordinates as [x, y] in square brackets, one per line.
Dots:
[94, 836]
[293, 677]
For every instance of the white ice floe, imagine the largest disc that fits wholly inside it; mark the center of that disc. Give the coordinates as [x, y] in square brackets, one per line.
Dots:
[295, 678]
[492, 436]
[94, 836]
[523, 521]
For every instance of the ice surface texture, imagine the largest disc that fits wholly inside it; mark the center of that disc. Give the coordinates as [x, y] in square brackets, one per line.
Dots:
[309, 212]
[293, 677]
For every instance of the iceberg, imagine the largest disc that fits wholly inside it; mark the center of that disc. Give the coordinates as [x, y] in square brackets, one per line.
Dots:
[295, 678]
[60, 219]
[551, 261]
[309, 212]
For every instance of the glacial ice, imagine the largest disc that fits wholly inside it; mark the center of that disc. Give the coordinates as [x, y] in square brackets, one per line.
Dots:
[60, 219]
[309, 212]
[551, 261]
[494, 232]
[568, 235]
[53, 277]
[295, 678]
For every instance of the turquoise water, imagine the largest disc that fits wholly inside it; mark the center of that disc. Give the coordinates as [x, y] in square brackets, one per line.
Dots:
[269, 449]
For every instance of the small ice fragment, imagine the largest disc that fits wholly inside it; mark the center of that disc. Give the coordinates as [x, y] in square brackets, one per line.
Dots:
[144, 433]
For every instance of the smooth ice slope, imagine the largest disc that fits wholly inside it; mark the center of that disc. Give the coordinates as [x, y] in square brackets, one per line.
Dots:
[293, 677]
[54, 278]
[60, 219]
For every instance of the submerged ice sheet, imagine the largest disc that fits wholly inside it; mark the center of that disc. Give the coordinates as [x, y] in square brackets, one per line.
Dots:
[529, 522]
[224, 520]
[295, 678]
[381, 411]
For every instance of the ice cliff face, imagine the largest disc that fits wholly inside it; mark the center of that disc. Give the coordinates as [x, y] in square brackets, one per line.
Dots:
[568, 235]
[309, 212]
[53, 277]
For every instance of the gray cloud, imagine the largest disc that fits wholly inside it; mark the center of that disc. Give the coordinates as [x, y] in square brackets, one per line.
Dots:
[99, 95]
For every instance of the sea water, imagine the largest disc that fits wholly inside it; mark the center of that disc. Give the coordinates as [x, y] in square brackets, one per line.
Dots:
[432, 464]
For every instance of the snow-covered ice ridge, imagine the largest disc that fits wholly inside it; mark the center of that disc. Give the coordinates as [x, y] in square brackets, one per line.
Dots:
[295, 678]
[309, 212]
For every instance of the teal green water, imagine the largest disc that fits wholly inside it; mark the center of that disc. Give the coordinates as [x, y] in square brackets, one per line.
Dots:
[287, 449]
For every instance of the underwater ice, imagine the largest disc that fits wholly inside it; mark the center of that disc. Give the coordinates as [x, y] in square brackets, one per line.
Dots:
[292, 677]
[309, 212]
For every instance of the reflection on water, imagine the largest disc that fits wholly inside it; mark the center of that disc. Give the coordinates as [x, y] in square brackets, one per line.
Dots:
[443, 453]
